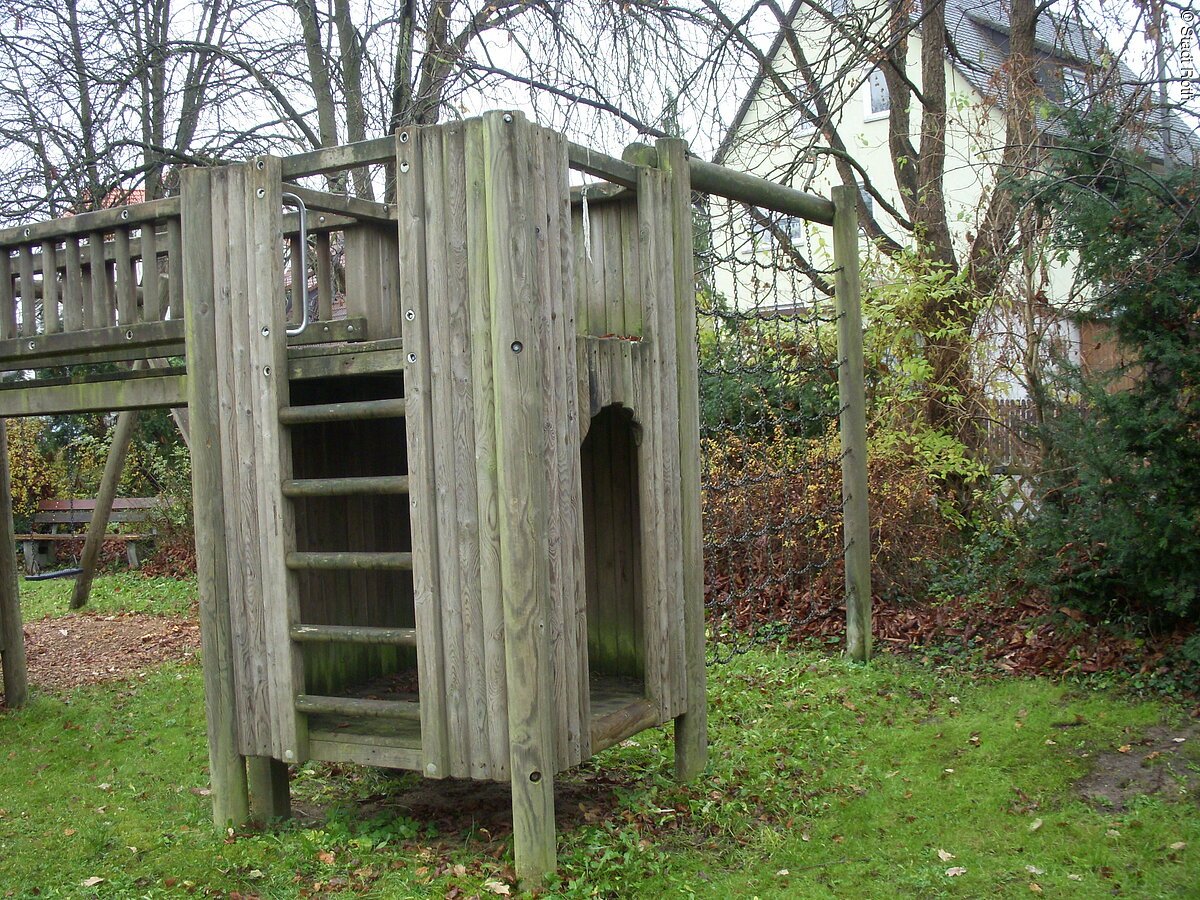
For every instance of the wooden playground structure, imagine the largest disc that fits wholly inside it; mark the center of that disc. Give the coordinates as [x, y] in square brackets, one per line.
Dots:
[456, 530]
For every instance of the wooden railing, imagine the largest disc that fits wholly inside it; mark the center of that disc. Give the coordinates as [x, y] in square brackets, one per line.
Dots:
[109, 269]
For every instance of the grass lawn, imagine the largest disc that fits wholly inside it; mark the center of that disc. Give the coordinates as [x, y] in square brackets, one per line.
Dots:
[826, 780]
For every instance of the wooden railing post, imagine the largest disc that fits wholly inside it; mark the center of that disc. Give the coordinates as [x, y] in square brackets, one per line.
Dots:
[856, 526]
[12, 636]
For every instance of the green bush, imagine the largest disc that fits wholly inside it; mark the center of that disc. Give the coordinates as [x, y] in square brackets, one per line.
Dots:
[1119, 526]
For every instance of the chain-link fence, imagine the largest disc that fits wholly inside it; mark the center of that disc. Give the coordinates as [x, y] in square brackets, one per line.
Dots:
[769, 406]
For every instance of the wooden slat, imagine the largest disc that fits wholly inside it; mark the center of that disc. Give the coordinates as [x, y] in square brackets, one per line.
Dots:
[440, 259]
[410, 192]
[344, 487]
[8, 300]
[349, 560]
[348, 329]
[338, 747]
[51, 319]
[72, 286]
[355, 706]
[491, 609]
[273, 454]
[12, 636]
[584, 159]
[343, 412]
[349, 634]
[174, 270]
[520, 478]
[102, 293]
[324, 264]
[28, 309]
[152, 306]
[126, 279]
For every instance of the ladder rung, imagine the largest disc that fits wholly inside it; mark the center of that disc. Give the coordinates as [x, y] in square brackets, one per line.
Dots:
[354, 634]
[340, 487]
[352, 706]
[349, 560]
[342, 412]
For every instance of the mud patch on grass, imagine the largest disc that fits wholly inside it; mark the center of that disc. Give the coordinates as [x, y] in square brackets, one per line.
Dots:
[1164, 762]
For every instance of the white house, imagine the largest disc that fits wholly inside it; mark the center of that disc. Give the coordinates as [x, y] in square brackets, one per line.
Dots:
[775, 136]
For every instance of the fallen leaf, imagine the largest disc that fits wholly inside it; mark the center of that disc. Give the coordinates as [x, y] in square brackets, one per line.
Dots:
[1034, 870]
[1073, 877]
[1035, 887]
[1112, 832]
[1035, 824]
[68, 831]
[498, 887]
[944, 856]
[953, 699]
[326, 857]
[955, 871]
[93, 881]
[1178, 740]
[783, 872]
[1179, 845]
[1124, 748]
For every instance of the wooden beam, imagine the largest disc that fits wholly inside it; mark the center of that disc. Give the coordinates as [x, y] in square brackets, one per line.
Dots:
[714, 179]
[35, 399]
[856, 521]
[601, 165]
[227, 768]
[340, 204]
[38, 349]
[337, 159]
[113, 468]
[12, 635]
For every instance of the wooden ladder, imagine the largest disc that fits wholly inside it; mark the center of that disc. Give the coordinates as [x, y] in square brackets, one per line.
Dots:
[304, 633]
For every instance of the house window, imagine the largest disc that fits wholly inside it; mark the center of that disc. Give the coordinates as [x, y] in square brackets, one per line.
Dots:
[805, 119]
[878, 99]
[1074, 85]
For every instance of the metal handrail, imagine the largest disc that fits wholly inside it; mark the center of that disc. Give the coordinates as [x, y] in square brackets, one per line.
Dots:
[302, 212]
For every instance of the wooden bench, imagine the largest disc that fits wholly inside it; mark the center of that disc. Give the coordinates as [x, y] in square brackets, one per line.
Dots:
[73, 516]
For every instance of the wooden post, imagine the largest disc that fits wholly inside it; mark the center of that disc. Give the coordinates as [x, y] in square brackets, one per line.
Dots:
[227, 766]
[522, 515]
[270, 797]
[691, 729]
[12, 636]
[856, 523]
[113, 467]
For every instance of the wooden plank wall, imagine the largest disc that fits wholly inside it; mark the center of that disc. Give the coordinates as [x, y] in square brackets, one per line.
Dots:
[485, 219]
[251, 386]
[627, 357]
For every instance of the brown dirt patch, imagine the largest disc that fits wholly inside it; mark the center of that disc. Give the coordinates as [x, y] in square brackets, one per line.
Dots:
[1165, 762]
[83, 648]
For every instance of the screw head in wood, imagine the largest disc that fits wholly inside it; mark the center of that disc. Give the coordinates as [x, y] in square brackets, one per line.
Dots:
[260, 164]
[261, 192]
[26, 232]
[431, 770]
[404, 137]
[32, 345]
[508, 119]
[409, 315]
[124, 214]
[404, 166]
[129, 334]
[517, 346]
[535, 777]
[266, 332]
[412, 357]
[267, 371]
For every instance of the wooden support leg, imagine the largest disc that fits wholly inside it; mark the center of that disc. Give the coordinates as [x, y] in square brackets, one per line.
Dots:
[122, 435]
[12, 636]
[226, 764]
[270, 797]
